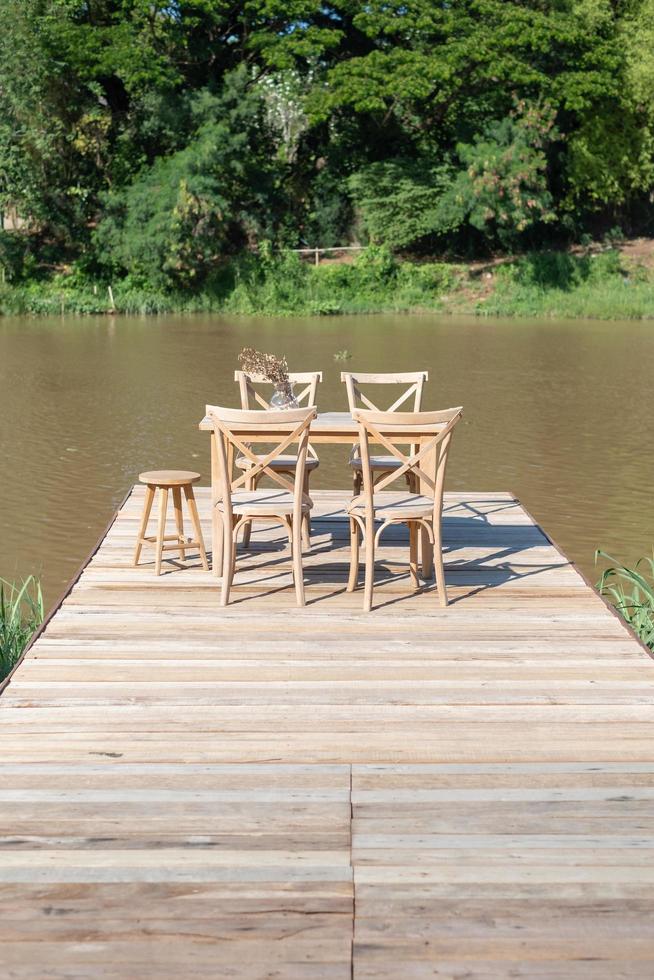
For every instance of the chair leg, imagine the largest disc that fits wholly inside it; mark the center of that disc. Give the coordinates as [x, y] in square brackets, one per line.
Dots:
[179, 521]
[229, 560]
[413, 553]
[426, 554]
[161, 528]
[306, 519]
[147, 507]
[353, 580]
[370, 565]
[298, 571]
[247, 527]
[412, 482]
[438, 564]
[197, 527]
[218, 544]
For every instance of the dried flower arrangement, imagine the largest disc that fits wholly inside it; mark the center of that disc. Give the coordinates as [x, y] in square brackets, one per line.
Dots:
[267, 367]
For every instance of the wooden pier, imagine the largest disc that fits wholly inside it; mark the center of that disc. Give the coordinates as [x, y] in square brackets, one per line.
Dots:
[264, 791]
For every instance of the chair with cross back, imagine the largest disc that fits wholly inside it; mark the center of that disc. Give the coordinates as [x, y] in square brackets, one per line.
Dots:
[250, 388]
[426, 462]
[240, 503]
[413, 383]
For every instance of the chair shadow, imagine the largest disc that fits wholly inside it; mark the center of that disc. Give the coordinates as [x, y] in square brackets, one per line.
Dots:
[490, 570]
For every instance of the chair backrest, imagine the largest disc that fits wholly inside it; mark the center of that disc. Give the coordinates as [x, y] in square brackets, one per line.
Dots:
[250, 394]
[427, 459]
[356, 398]
[231, 428]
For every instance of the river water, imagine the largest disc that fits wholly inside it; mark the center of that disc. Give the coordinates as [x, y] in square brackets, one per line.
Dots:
[557, 412]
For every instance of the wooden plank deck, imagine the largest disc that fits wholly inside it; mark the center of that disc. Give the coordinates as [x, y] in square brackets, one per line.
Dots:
[271, 792]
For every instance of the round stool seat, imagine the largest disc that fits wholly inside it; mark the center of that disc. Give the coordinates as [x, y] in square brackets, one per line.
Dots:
[169, 478]
[178, 483]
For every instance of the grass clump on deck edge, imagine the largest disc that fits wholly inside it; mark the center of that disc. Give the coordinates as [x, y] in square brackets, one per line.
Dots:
[21, 614]
[631, 590]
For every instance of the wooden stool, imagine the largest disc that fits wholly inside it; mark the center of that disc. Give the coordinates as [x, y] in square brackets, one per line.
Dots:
[165, 480]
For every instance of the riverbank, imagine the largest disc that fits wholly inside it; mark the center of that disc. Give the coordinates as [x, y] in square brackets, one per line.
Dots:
[598, 283]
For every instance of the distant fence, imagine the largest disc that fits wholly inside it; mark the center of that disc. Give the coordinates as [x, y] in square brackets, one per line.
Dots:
[317, 252]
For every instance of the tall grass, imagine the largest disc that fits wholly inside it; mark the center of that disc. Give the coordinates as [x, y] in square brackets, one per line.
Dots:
[631, 590]
[602, 286]
[279, 284]
[21, 613]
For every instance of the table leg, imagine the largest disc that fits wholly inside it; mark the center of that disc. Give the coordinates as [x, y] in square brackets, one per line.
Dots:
[428, 463]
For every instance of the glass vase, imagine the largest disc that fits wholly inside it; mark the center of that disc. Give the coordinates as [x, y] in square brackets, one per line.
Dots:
[283, 398]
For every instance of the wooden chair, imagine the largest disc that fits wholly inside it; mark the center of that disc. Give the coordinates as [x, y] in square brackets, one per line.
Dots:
[177, 481]
[250, 395]
[240, 502]
[356, 398]
[426, 462]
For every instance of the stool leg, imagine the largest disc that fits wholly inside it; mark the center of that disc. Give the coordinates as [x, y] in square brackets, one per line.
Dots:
[179, 521]
[161, 529]
[195, 521]
[147, 507]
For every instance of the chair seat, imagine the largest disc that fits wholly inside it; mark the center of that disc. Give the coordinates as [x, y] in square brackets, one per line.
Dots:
[169, 478]
[377, 463]
[387, 504]
[283, 464]
[264, 503]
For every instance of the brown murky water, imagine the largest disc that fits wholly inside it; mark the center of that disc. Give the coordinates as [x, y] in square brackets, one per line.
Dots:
[557, 412]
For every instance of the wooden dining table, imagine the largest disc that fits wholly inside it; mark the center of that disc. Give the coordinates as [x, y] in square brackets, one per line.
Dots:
[333, 428]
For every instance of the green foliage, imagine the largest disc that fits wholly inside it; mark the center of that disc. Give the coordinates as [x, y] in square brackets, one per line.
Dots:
[275, 283]
[14, 255]
[498, 185]
[631, 590]
[563, 270]
[403, 201]
[21, 614]
[560, 284]
[549, 284]
[504, 187]
[373, 281]
[156, 140]
[180, 217]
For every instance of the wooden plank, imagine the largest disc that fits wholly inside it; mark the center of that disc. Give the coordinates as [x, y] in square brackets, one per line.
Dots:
[516, 870]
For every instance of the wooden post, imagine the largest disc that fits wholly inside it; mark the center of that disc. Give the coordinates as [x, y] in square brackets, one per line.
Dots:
[112, 306]
[317, 256]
